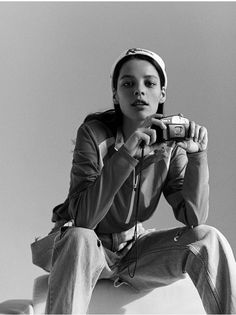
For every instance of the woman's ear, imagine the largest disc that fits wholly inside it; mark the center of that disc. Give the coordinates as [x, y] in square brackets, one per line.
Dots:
[163, 95]
[115, 97]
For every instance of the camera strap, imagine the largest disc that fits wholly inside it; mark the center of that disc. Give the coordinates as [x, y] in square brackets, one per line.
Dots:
[135, 237]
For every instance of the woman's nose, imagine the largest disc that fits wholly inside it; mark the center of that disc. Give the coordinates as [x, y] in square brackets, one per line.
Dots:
[138, 92]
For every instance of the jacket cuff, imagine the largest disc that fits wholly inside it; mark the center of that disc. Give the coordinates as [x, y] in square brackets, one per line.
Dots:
[197, 155]
[125, 154]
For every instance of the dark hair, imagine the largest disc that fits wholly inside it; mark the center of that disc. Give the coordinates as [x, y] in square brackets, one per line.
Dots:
[141, 57]
[112, 118]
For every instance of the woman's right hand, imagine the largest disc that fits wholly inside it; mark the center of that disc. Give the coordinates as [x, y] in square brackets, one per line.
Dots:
[144, 135]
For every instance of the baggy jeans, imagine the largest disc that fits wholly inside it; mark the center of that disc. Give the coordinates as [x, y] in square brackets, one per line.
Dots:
[162, 257]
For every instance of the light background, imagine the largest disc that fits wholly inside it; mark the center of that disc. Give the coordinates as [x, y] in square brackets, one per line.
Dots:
[55, 60]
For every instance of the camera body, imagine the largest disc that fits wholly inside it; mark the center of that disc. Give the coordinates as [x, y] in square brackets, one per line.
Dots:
[177, 129]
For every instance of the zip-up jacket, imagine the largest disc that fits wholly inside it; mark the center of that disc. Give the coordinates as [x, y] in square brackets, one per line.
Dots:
[104, 178]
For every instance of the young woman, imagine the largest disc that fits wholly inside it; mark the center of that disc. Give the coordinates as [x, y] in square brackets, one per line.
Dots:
[119, 172]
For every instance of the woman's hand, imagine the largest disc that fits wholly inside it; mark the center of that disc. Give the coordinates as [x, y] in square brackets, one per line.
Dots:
[197, 141]
[144, 136]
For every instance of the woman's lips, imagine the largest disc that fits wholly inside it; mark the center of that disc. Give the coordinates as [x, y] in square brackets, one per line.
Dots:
[139, 103]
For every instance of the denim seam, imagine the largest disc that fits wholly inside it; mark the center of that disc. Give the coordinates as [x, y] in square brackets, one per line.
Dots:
[197, 254]
[50, 287]
[50, 294]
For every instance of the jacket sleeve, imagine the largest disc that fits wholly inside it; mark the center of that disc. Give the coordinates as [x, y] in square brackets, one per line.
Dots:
[93, 185]
[187, 188]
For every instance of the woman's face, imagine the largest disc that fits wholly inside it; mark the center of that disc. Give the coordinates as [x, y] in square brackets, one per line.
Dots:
[139, 90]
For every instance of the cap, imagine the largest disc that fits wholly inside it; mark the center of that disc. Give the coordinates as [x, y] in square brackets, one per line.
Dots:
[140, 51]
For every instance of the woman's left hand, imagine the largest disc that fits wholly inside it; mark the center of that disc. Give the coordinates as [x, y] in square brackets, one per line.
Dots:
[197, 141]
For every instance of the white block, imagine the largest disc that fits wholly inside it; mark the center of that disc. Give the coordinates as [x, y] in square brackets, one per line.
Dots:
[180, 297]
[16, 307]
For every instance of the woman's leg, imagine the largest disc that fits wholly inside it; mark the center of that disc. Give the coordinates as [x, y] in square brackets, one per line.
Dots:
[78, 259]
[202, 252]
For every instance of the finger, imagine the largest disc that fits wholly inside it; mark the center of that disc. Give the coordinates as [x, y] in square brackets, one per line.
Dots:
[192, 129]
[158, 116]
[153, 119]
[202, 134]
[144, 138]
[196, 133]
[152, 134]
[204, 142]
[158, 122]
[149, 136]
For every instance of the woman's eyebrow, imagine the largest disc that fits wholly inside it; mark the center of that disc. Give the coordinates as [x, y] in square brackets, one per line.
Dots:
[125, 76]
[151, 76]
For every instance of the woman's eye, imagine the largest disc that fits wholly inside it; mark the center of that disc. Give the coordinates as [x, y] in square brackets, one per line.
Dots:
[127, 84]
[150, 83]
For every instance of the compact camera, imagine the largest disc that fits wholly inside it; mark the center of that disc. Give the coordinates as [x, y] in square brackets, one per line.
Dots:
[177, 128]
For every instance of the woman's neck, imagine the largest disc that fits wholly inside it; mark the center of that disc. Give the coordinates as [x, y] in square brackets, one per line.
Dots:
[129, 126]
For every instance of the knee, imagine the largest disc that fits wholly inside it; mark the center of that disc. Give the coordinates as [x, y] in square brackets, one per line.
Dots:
[209, 238]
[206, 231]
[77, 236]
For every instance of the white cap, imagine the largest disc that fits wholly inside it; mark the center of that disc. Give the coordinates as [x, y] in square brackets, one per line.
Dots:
[139, 51]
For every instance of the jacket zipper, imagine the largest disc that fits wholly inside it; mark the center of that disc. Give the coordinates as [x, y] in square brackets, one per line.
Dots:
[131, 207]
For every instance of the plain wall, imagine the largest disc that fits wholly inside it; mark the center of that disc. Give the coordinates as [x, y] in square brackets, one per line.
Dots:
[55, 60]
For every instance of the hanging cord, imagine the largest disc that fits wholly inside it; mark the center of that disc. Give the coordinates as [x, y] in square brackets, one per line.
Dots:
[135, 237]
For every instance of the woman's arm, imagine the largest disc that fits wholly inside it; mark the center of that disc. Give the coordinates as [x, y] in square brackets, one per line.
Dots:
[93, 186]
[187, 187]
